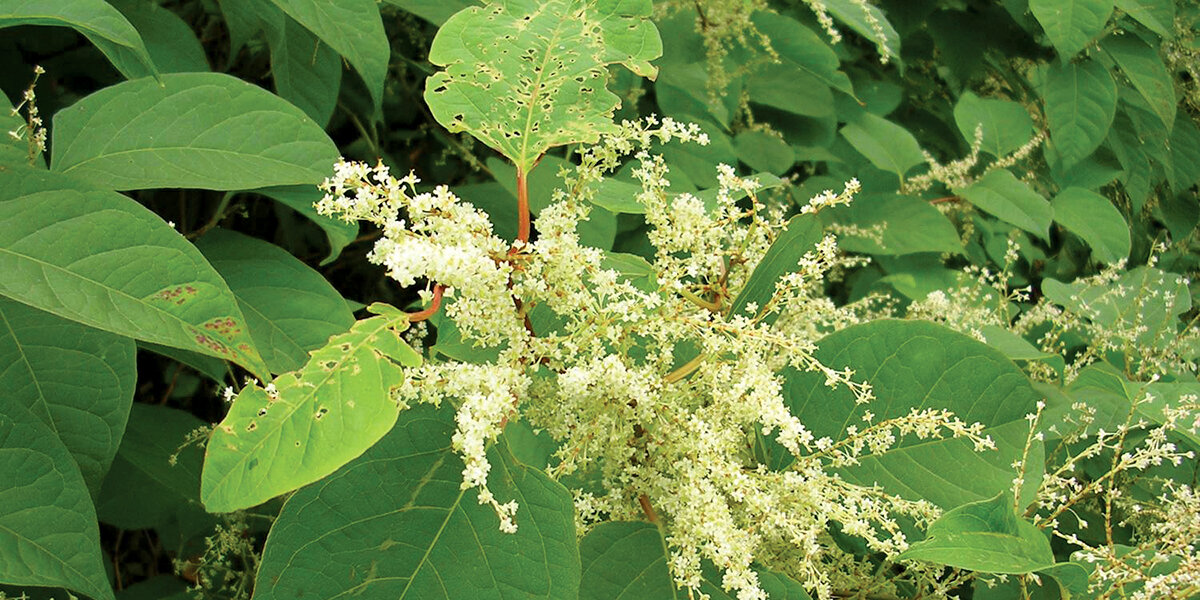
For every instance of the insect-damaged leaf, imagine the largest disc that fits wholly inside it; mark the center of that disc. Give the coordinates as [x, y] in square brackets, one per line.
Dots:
[314, 420]
[525, 76]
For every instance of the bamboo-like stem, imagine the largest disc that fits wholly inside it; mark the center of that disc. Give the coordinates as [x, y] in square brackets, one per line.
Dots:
[523, 226]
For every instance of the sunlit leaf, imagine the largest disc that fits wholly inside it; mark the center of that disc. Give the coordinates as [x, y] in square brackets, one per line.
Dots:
[524, 77]
[311, 422]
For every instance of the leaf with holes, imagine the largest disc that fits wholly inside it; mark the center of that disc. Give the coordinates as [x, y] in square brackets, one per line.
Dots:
[79, 381]
[313, 421]
[525, 77]
[397, 523]
[102, 259]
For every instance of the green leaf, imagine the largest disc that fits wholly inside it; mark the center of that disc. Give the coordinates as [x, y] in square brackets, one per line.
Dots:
[302, 198]
[98, 257]
[95, 19]
[523, 78]
[632, 268]
[801, 234]
[307, 72]
[1006, 124]
[627, 560]
[762, 151]
[1184, 171]
[355, 30]
[434, 11]
[1011, 200]
[1157, 15]
[985, 536]
[316, 419]
[905, 225]
[854, 14]
[396, 523]
[79, 381]
[290, 309]
[1146, 71]
[1012, 345]
[887, 145]
[1081, 101]
[1071, 24]
[1152, 305]
[170, 41]
[801, 49]
[150, 134]
[144, 489]
[919, 365]
[48, 531]
[1093, 218]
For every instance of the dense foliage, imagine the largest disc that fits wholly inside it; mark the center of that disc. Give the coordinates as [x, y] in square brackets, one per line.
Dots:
[599, 299]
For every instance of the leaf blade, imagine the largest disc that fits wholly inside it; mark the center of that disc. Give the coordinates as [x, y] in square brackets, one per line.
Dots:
[142, 134]
[140, 279]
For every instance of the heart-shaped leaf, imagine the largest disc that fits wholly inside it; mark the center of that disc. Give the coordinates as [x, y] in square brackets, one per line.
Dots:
[397, 523]
[524, 77]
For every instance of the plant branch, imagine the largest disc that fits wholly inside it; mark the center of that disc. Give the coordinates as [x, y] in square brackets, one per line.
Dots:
[438, 291]
[523, 225]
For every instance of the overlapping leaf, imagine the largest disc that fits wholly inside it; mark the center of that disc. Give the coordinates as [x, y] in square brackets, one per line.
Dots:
[985, 536]
[1093, 218]
[1071, 24]
[397, 523]
[352, 27]
[526, 76]
[1006, 124]
[919, 365]
[312, 421]
[1003, 195]
[189, 130]
[48, 531]
[290, 309]
[78, 380]
[1081, 101]
[106, 27]
[124, 270]
[628, 561]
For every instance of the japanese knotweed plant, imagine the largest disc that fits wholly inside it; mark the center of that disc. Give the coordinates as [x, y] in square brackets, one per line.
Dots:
[655, 389]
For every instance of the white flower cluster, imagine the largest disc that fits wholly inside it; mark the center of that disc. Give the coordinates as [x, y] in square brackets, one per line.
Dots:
[643, 376]
[33, 132]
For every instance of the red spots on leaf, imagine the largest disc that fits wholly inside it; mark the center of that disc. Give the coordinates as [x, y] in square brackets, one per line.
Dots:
[177, 295]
